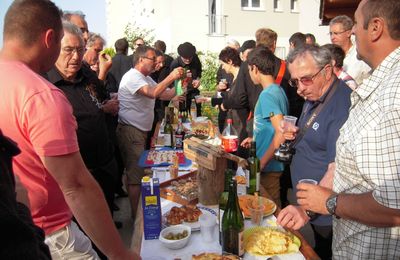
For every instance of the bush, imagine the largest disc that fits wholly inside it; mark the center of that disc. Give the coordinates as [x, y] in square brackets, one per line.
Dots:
[210, 66]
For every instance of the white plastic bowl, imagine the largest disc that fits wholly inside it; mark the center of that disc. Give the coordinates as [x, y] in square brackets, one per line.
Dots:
[175, 244]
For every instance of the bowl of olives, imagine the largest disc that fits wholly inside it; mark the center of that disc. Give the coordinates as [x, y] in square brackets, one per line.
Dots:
[175, 237]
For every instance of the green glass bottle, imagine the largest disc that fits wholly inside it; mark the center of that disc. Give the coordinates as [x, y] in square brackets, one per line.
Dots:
[223, 199]
[253, 171]
[232, 224]
[168, 132]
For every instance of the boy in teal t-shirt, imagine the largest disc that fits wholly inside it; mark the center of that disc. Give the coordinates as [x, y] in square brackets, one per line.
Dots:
[272, 105]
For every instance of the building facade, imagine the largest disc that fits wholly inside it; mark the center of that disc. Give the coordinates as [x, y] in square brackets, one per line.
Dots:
[208, 24]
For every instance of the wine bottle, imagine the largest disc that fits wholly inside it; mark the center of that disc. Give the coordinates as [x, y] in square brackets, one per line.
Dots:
[253, 171]
[223, 199]
[232, 223]
[168, 132]
[193, 110]
[179, 135]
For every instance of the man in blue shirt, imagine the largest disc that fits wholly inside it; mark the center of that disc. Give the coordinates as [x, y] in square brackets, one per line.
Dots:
[312, 74]
[271, 106]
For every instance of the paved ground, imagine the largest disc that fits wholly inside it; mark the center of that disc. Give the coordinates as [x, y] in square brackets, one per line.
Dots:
[123, 215]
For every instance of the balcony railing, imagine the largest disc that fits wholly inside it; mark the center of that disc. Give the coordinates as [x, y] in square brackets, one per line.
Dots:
[217, 24]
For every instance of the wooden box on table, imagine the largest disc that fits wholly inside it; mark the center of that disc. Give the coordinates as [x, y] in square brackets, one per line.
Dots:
[168, 192]
[212, 163]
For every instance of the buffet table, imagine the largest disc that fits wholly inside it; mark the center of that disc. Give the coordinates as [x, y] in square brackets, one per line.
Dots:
[153, 249]
[211, 166]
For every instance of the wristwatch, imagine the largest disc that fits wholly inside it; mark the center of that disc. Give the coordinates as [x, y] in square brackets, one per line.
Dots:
[331, 204]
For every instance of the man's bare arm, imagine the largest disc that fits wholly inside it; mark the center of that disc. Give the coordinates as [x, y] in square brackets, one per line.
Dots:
[86, 200]
[365, 209]
[362, 207]
[155, 92]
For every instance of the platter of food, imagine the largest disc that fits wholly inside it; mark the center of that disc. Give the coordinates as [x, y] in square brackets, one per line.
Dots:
[247, 201]
[187, 215]
[162, 157]
[268, 241]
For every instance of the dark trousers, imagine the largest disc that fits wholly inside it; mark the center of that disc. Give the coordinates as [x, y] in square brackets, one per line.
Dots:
[323, 241]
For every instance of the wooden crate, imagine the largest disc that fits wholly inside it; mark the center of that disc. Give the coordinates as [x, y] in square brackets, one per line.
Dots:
[202, 155]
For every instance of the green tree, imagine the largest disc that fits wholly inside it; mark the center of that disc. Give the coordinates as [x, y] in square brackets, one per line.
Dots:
[132, 32]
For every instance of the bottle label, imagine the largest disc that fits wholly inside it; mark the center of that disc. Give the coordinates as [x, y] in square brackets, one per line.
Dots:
[258, 181]
[178, 141]
[167, 140]
[241, 244]
[247, 172]
[230, 143]
[233, 241]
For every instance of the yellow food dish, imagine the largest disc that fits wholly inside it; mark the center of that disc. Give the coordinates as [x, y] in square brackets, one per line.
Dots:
[265, 241]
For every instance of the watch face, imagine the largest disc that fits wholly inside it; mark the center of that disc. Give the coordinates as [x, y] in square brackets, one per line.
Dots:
[331, 205]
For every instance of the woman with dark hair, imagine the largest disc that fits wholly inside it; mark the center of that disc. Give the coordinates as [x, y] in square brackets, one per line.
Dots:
[230, 62]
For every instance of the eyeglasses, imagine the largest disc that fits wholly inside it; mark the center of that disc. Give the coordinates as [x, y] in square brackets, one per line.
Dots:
[306, 81]
[152, 58]
[71, 50]
[338, 33]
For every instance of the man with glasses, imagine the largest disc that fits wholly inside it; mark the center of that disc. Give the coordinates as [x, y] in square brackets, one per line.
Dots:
[137, 93]
[90, 102]
[340, 33]
[327, 102]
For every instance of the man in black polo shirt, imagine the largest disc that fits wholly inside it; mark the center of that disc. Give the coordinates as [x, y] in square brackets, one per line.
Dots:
[88, 98]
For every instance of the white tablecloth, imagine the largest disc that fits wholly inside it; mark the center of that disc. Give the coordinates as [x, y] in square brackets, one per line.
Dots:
[154, 250]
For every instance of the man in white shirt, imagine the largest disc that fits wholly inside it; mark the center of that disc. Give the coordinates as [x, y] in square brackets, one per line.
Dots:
[340, 33]
[137, 93]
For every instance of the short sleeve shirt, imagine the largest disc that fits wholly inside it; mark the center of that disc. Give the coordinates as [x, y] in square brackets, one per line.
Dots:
[317, 149]
[272, 101]
[368, 160]
[135, 109]
[37, 116]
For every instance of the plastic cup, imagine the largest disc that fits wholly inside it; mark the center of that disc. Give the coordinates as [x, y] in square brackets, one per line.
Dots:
[207, 227]
[310, 181]
[288, 121]
[310, 213]
[257, 214]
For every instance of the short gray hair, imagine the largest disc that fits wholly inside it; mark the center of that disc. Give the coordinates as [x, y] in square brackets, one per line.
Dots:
[92, 39]
[73, 29]
[344, 20]
[67, 15]
[321, 56]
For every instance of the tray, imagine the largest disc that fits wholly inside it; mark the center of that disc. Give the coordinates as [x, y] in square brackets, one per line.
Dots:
[144, 162]
[168, 193]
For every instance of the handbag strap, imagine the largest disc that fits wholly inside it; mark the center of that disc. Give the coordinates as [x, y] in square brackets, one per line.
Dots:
[314, 115]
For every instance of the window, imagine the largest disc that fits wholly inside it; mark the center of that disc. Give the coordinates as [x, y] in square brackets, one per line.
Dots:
[216, 21]
[251, 4]
[278, 6]
[294, 6]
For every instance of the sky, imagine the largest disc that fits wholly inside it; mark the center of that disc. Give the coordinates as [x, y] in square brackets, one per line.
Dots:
[93, 9]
